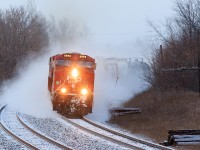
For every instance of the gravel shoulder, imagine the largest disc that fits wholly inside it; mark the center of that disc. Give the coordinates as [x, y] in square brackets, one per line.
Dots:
[69, 135]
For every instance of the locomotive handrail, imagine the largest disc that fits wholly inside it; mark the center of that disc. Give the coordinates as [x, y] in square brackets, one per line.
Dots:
[59, 87]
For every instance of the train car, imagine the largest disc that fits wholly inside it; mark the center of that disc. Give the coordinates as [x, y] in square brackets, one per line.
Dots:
[71, 83]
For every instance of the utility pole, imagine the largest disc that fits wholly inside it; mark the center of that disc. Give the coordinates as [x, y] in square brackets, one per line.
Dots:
[161, 52]
[163, 74]
[198, 52]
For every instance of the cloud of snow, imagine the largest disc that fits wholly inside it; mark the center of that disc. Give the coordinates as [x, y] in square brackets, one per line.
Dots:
[29, 93]
[114, 86]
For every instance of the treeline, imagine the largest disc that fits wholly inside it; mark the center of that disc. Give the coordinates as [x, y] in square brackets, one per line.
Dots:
[22, 31]
[174, 64]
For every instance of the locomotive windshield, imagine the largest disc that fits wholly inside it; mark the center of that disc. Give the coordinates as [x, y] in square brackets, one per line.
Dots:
[85, 64]
[64, 62]
[79, 63]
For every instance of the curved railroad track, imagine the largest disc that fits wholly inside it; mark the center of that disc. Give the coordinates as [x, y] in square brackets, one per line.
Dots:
[14, 126]
[72, 122]
[113, 136]
[153, 145]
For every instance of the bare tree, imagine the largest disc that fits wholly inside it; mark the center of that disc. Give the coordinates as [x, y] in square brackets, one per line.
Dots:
[22, 31]
[179, 49]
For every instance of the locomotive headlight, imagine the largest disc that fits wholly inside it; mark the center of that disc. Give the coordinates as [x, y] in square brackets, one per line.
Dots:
[63, 90]
[74, 73]
[84, 91]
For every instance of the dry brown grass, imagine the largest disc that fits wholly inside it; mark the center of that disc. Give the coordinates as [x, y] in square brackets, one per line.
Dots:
[161, 112]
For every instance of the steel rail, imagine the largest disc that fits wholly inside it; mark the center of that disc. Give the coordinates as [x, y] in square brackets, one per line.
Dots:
[41, 135]
[12, 134]
[100, 135]
[126, 136]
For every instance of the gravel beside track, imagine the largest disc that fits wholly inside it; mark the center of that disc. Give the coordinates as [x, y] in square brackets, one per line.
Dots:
[9, 120]
[129, 137]
[70, 135]
[132, 144]
[9, 143]
[59, 130]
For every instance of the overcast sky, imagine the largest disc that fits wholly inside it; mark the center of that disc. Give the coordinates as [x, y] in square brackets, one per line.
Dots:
[118, 24]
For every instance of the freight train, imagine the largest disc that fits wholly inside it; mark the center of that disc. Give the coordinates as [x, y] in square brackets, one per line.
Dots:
[71, 83]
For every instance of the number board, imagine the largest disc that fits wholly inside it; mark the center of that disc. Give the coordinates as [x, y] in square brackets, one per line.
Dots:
[67, 55]
[83, 56]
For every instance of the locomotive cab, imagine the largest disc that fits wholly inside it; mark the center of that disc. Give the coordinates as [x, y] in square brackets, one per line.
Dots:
[71, 83]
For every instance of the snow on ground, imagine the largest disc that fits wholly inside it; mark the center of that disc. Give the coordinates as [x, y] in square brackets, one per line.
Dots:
[7, 142]
[64, 133]
[70, 135]
[116, 128]
[108, 134]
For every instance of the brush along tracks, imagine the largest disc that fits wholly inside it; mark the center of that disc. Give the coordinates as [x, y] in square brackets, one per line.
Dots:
[113, 136]
[14, 126]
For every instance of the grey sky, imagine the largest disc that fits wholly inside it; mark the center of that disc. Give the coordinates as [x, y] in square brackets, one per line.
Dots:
[112, 22]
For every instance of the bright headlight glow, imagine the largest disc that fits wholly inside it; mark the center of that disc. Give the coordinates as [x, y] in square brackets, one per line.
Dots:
[63, 90]
[74, 73]
[84, 91]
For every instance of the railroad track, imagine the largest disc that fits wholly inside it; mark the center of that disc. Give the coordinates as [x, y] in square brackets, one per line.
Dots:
[72, 122]
[13, 125]
[113, 136]
[153, 145]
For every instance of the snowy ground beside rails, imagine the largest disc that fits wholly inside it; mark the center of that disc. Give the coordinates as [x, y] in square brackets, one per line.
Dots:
[115, 127]
[7, 142]
[63, 133]
[69, 135]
